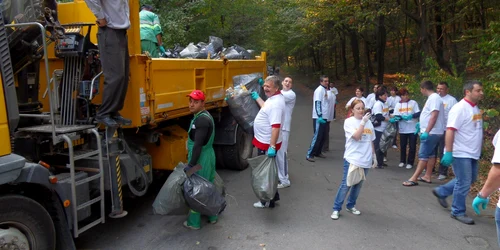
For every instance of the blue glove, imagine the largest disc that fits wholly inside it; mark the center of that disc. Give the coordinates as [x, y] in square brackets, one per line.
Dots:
[417, 127]
[321, 120]
[261, 82]
[162, 50]
[447, 159]
[255, 95]
[407, 117]
[424, 136]
[479, 202]
[393, 120]
[271, 152]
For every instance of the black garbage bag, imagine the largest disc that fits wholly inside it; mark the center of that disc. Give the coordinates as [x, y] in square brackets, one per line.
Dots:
[264, 177]
[251, 82]
[387, 137]
[231, 53]
[214, 46]
[202, 196]
[244, 110]
[170, 199]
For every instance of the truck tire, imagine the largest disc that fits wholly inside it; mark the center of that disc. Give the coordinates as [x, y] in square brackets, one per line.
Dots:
[27, 220]
[235, 156]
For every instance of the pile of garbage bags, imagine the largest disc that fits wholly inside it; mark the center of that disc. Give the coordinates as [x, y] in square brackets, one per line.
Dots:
[181, 192]
[213, 50]
[239, 100]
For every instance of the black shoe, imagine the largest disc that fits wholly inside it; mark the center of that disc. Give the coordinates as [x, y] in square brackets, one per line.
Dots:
[107, 121]
[122, 120]
[441, 200]
[311, 159]
[464, 219]
[321, 155]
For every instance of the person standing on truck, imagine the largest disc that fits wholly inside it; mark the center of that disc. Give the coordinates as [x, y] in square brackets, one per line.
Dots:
[281, 155]
[113, 21]
[268, 136]
[319, 115]
[151, 33]
[201, 135]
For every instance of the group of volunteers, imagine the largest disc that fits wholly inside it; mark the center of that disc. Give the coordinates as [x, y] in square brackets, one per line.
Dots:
[443, 124]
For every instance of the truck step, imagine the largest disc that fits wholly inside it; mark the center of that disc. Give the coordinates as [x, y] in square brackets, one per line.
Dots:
[88, 203]
[90, 225]
[89, 179]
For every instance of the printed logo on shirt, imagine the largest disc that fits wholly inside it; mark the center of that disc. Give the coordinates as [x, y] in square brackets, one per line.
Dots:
[477, 117]
[404, 110]
[384, 110]
[367, 131]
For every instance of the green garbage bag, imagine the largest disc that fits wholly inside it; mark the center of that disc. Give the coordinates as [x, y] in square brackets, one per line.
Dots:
[264, 176]
[170, 200]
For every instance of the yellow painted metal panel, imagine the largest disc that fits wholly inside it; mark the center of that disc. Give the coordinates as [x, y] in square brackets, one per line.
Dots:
[170, 150]
[4, 126]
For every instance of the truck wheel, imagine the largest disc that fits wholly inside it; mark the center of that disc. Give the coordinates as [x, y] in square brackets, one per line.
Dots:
[25, 224]
[235, 156]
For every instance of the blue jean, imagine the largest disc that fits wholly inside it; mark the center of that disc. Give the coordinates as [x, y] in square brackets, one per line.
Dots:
[343, 189]
[428, 147]
[497, 220]
[465, 170]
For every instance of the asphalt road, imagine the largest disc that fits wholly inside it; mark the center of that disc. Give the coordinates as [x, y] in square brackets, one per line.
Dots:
[393, 216]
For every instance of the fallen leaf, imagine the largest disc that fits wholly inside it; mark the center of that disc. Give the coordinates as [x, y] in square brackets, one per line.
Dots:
[197, 243]
[262, 245]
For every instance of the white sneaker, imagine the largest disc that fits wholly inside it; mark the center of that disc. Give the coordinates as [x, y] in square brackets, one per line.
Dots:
[385, 159]
[401, 165]
[353, 211]
[335, 215]
[441, 177]
[259, 204]
[283, 185]
[409, 166]
[394, 146]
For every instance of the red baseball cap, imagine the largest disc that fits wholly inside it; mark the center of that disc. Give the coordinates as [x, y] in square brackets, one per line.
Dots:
[197, 95]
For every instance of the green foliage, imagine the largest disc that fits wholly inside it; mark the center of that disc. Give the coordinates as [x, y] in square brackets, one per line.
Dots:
[490, 47]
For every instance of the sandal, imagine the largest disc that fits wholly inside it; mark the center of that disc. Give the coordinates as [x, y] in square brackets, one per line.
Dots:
[424, 180]
[409, 183]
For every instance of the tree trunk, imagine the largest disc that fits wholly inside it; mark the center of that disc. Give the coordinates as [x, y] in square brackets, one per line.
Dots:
[355, 52]
[343, 53]
[381, 40]
[335, 61]
[369, 65]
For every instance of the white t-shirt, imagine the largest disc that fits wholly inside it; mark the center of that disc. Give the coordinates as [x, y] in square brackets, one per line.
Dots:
[360, 152]
[370, 101]
[392, 101]
[331, 109]
[334, 90]
[272, 113]
[468, 123]
[407, 108]
[355, 98]
[381, 108]
[434, 102]
[496, 154]
[289, 105]
[321, 94]
[448, 102]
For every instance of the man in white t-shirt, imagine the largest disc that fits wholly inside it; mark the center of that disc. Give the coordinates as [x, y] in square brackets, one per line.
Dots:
[491, 185]
[464, 139]
[267, 125]
[335, 91]
[319, 114]
[370, 99]
[332, 99]
[281, 156]
[448, 102]
[432, 126]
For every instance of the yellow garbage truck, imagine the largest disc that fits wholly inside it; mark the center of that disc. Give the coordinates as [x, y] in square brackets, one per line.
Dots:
[57, 166]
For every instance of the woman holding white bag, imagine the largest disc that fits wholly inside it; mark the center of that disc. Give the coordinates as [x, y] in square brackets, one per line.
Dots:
[359, 152]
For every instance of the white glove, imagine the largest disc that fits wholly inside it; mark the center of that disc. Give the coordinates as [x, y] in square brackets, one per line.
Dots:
[375, 163]
[365, 118]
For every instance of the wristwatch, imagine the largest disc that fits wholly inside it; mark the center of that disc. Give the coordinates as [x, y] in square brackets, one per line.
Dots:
[480, 195]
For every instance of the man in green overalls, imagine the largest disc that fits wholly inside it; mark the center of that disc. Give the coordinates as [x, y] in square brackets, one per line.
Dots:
[200, 151]
[151, 32]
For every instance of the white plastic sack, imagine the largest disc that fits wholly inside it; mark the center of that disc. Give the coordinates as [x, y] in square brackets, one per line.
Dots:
[355, 175]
